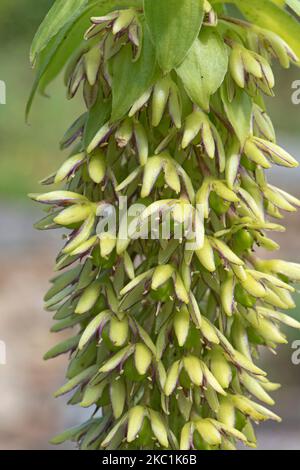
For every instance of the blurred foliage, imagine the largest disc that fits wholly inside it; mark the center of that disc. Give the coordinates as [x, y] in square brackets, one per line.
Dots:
[285, 114]
[20, 18]
[27, 151]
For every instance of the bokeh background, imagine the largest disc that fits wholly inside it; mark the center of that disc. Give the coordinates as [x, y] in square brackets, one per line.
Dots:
[29, 415]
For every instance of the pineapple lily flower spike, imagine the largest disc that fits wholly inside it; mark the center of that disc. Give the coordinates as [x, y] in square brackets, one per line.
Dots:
[165, 334]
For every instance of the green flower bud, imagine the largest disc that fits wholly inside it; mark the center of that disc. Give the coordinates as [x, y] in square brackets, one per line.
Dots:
[124, 133]
[118, 397]
[123, 20]
[97, 166]
[92, 61]
[88, 298]
[69, 167]
[160, 98]
[236, 66]
[141, 143]
[208, 432]
[142, 358]
[172, 378]
[255, 388]
[227, 294]
[220, 368]
[193, 368]
[175, 106]
[159, 428]
[135, 421]
[74, 214]
[118, 332]
[182, 325]
[81, 235]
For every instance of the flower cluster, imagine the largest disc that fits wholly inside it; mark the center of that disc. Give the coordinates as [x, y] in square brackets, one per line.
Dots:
[165, 336]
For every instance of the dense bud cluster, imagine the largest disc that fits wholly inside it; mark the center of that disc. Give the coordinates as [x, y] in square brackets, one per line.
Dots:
[166, 336]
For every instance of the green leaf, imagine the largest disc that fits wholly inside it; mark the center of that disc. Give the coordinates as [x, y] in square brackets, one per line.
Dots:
[62, 347]
[140, 75]
[239, 113]
[61, 13]
[174, 26]
[204, 68]
[73, 433]
[84, 376]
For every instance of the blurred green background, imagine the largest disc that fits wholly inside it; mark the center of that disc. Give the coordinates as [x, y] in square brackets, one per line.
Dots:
[27, 151]
[29, 415]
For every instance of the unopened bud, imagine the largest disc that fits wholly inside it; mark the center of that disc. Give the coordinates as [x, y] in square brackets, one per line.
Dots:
[160, 98]
[124, 133]
[97, 166]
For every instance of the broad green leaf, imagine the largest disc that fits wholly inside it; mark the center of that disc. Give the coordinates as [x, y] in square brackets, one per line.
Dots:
[61, 13]
[239, 113]
[174, 26]
[139, 74]
[204, 68]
